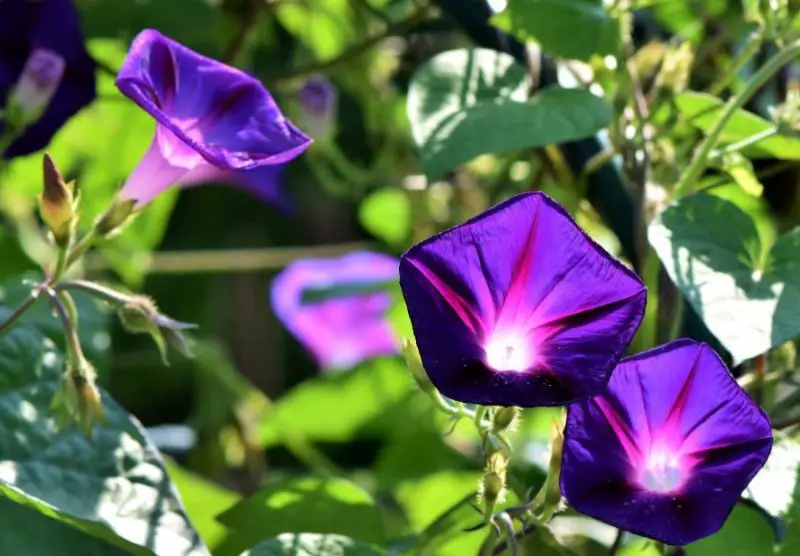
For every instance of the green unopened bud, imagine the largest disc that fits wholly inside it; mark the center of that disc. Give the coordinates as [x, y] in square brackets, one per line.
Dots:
[115, 218]
[492, 487]
[140, 315]
[78, 399]
[504, 418]
[57, 203]
[414, 363]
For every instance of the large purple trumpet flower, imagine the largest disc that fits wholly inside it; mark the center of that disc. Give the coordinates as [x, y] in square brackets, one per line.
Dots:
[340, 330]
[668, 449]
[214, 122]
[518, 306]
[45, 71]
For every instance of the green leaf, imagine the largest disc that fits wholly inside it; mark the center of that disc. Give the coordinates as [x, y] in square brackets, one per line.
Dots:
[386, 214]
[325, 27]
[775, 488]
[308, 544]
[203, 501]
[702, 110]
[469, 102]
[28, 532]
[113, 486]
[93, 323]
[746, 293]
[745, 533]
[306, 504]
[335, 407]
[574, 29]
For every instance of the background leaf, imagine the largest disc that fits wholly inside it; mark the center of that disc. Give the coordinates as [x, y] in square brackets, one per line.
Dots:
[309, 544]
[745, 533]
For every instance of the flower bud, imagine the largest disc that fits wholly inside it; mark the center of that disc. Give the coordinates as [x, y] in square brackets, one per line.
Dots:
[493, 484]
[414, 363]
[504, 418]
[140, 315]
[78, 399]
[35, 88]
[318, 98]
[57, 203]
[675, 69]
[114, 219]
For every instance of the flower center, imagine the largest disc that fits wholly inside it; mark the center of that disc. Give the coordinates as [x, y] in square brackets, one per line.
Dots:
[663, 471]
[508, 352]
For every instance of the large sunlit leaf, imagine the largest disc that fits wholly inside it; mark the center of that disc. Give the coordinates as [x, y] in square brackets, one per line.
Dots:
[28, 532]
[309, 544]
[336, 407]
[468, 102]
[775, 488]
[747, 293]
[306, 505]
[113, 486]
[702, 110]
[574, 29]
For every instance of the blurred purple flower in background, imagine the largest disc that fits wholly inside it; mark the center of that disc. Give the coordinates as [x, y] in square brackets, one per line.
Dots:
[318, 99]
[342, 329]
[214, 122]
[668, 449]
[518, 306]
[46, 75]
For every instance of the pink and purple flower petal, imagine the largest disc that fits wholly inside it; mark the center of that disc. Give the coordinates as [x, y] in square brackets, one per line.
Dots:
[214, 122]
[26, 30]
[668, 449]
[518, 306]
[345, 328]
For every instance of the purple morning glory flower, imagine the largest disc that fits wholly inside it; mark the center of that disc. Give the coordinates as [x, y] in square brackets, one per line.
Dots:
[342, 330]
[318, 98]
[30, 33]
[668, 449]
[214, 122]
[518, 306]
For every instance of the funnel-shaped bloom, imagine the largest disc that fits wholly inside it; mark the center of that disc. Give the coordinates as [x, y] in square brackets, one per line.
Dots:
[519, 307]
[43, 59]
[318, 98]
[347, 322]
[668, 449]
[214, 122]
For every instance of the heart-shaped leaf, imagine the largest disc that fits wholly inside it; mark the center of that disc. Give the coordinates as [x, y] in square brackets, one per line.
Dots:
[113, 486]
[746, 293]
[468, 102]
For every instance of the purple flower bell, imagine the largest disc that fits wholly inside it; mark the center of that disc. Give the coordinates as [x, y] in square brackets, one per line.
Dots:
[214, 122]
[46, 75]
[668, 449]
[318, 98]
[518, 306]
[340, 330]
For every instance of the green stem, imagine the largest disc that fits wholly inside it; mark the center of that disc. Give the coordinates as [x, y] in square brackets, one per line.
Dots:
[8, 324]
[752, 86]
[106, 294]
[61, 264]
[744, 143]
[750, 50]
[81, 247]
[64, 308]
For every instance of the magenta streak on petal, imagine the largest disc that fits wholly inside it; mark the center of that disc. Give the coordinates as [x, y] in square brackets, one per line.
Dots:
[455, 301]
[622, 430]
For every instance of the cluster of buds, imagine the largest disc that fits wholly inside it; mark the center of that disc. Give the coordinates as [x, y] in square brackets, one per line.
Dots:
[78, 397]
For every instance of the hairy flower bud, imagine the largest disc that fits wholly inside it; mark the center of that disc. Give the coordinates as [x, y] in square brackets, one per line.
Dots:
[114, 219]
[57, 203]
[78, 398]
[504, 418]
[492, 487]
[35, 88]
[140, 315]
[414, 364]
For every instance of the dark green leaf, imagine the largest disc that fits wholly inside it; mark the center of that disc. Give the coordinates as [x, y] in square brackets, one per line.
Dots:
[574, 29]
[335, 407]
[112, 486]
[308, 544]
[468, 102]
[746, 293]
[307, 504]
[746, 533]
[27, 532]
[702, 110]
